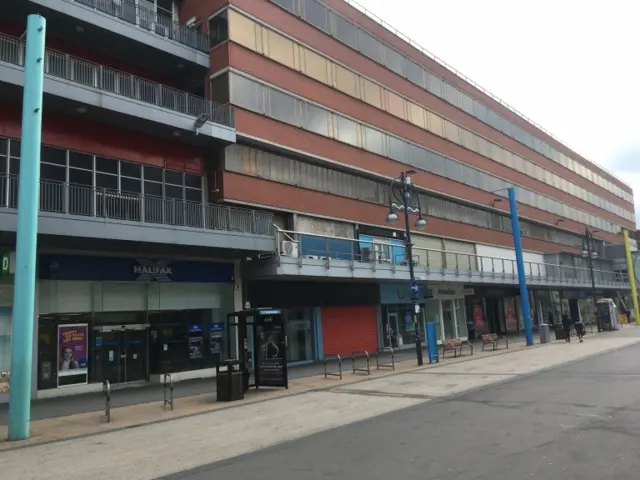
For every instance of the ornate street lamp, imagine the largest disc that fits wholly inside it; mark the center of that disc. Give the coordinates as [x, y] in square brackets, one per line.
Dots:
[589, 253]
[404, 193]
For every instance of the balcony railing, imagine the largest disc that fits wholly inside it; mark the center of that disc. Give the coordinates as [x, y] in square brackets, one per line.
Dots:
[88, 74]
[468, 267]
[144, 16]
[82, 201]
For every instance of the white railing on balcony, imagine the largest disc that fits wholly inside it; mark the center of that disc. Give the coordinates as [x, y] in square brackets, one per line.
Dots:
[472, 267]
[64, 198]
[142, 15]
[88, 74]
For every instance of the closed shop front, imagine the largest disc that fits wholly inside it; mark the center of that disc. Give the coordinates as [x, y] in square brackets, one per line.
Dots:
[126, 319]
[349, 329]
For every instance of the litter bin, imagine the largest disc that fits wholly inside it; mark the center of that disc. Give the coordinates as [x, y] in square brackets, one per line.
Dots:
[229, 384]
[544, 332]
[559, 331]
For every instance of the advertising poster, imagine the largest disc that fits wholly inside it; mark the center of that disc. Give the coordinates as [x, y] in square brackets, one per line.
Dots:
[511, 315]
[478, 316]
[72, 352]
[271, 364]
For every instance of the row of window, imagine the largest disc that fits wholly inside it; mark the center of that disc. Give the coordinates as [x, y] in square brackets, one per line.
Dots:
[86, 170]
[265, 41]
[257, 97]
[347, 32]
[257, 163]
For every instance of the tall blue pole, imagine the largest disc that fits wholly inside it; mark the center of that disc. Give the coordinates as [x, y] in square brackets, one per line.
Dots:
[27, 235]
[522, 279]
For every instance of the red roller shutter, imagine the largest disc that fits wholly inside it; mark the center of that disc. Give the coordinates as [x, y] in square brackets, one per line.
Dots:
[349, 329]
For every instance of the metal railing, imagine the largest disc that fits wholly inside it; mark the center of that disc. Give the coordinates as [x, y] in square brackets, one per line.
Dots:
[168, 390]
[327, 373]
[92, 75]
[137, 13]
[461, 75]
[391, 364]
[468, 267]
[106, 389]
[355, 367]
[65, 198]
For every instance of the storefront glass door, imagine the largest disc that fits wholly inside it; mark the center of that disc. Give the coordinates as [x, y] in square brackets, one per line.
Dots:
[461, 318]
[121, 354]
[448, 319]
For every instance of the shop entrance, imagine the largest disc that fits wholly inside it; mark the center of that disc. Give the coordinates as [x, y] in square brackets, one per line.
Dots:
[390, 327]
[121, 353]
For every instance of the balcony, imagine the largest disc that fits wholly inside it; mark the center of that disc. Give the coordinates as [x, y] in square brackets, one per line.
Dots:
[114, 93]
[308, 255]
[71, 210]
[130, 26]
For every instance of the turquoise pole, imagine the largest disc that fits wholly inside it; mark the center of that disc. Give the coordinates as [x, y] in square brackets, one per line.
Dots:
[27, 235]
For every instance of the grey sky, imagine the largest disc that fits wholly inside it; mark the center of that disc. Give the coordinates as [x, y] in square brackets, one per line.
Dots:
[571, 66]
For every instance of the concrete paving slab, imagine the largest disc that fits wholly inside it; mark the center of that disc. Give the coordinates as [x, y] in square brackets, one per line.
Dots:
[164, 448]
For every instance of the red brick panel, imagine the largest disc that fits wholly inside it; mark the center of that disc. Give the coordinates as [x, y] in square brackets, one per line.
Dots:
[297, 83]
[389, 38]
[279, 133]
[305, 33]
[99, 139]
[286, 197]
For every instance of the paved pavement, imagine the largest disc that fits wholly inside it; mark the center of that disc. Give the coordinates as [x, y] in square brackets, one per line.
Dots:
[580, 421]
[573, 420]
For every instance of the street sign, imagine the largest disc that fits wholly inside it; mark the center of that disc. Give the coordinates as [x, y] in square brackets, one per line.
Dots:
[414, 289]
[5, 261]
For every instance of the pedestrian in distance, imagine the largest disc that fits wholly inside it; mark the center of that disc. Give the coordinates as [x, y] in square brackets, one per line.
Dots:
[579, 326]
[566, 325]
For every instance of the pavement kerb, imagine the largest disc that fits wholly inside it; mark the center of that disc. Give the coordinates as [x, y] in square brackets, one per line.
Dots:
[32, 442]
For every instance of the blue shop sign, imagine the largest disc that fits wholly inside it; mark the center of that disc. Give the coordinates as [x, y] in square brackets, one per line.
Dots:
[194, 328]
[216, 327]
[109, 269]
[398, 293]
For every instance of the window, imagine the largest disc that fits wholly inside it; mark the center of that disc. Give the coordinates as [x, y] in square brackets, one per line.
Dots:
[220, 89]
[414, 72]
[345, 130]
[52, 155]
[375, 141]
[106, 165]
[282, 107]
[287, 4]
[434, 84]
[80, 160]
[369, 46]
[316, 120]
[343, 30]
[393, 60]
[244, 93]
[316, 14]
[218, 29]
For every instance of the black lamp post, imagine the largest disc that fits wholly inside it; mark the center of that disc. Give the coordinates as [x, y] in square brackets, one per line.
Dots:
[402, 190]
[589, 253]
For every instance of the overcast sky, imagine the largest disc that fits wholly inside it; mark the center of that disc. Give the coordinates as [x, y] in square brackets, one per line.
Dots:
[571, 66]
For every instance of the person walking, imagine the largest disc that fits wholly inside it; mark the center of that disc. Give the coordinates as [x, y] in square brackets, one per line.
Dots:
[566, 325]
[579, 326]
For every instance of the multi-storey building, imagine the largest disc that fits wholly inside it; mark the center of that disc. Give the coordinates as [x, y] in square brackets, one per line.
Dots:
[201, 154]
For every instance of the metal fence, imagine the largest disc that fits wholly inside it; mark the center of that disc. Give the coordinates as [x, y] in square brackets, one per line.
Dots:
[142, 14]
[305, 246]
[88, 74]
[70, 199]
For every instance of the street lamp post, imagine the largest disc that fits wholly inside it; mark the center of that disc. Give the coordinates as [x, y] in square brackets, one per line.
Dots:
[590, 254]
[402, 190]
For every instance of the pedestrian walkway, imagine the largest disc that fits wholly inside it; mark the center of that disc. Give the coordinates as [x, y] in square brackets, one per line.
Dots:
[314, 405]
[131, 396]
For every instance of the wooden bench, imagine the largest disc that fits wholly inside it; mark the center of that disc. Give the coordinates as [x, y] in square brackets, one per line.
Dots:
[456, 346]
[494, 340]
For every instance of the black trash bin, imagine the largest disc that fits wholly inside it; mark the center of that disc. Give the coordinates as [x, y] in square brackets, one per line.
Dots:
[229, 381]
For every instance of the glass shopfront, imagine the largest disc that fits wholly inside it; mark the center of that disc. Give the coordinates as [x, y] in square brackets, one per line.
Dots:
[300, 331]
[127, 331]
[398, 328]
[6, 302]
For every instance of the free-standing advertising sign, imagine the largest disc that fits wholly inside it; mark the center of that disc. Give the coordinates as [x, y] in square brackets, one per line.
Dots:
[72, 354]
[272, 360]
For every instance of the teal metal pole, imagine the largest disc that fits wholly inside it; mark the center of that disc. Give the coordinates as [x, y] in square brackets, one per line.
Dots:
[27, 235]
[522, 278]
